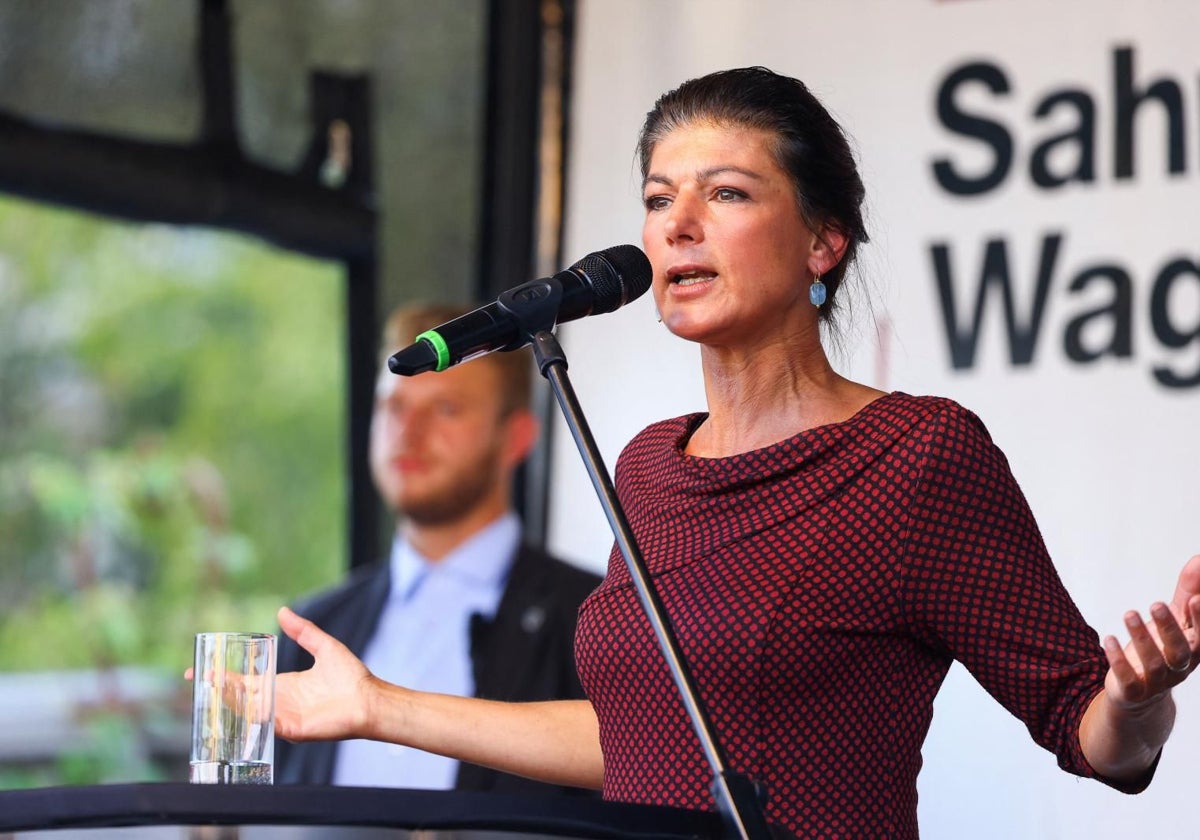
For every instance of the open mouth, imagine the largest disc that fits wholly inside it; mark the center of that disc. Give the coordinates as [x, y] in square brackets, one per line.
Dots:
[690, 277]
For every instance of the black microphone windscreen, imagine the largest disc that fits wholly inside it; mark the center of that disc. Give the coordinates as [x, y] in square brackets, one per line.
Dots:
[617, 275]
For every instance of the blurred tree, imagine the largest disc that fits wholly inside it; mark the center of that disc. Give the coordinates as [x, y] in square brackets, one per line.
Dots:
[171, 440]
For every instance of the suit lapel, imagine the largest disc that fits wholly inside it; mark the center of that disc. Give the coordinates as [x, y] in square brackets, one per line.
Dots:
[505, 652]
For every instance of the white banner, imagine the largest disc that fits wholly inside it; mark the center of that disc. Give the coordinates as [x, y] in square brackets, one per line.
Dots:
[1032, 173]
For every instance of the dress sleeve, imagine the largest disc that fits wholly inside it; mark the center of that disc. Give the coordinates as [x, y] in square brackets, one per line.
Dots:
[979, 585]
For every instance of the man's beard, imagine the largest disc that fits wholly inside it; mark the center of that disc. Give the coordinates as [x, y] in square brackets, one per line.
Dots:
[465, 491]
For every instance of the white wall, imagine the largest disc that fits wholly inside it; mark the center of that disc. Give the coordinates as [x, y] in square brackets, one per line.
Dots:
[1105, 452]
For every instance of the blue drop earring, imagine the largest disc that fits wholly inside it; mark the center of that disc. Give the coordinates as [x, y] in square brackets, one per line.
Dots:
[816, 292]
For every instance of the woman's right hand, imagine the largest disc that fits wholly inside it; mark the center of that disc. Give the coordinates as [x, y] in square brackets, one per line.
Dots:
[330, 700]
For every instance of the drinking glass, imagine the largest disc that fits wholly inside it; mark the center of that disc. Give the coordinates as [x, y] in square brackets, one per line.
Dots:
[233, 709]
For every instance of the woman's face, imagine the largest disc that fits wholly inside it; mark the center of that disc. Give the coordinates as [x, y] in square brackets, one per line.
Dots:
[732, 258]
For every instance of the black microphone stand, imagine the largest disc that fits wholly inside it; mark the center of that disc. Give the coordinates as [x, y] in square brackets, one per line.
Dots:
[738, 798]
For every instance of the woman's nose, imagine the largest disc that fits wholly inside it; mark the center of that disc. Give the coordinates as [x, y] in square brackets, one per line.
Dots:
[683, 220]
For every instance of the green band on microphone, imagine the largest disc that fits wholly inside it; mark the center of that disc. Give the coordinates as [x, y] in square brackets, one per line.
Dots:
[439, 347]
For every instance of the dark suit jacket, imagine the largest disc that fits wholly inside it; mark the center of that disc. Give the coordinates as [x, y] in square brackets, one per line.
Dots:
[526, 653]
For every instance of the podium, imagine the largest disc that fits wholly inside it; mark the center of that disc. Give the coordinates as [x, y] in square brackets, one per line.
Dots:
[174, 811]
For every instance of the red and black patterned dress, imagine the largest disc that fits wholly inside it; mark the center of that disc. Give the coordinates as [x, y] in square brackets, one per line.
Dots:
[821, 588]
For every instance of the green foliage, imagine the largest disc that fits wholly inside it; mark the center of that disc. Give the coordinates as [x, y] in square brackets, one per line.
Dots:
[110, 755]
[171, 441]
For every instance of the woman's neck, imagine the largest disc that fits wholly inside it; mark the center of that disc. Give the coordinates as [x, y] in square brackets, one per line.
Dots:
[769, 394]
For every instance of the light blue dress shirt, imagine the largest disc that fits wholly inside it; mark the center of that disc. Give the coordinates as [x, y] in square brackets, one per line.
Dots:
[423, 641]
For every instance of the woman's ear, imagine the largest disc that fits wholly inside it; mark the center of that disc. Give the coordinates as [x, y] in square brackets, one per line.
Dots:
[828, 248]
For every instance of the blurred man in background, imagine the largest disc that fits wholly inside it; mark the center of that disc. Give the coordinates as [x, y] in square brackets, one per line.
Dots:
[461, 606]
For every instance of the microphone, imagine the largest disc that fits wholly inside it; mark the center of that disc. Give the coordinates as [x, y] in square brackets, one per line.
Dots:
[598, 283]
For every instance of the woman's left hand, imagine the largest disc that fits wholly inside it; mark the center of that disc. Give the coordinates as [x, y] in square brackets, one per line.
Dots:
[1162, 653]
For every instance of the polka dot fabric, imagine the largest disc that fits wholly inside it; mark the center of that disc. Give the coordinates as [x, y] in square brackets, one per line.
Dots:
[820, 589]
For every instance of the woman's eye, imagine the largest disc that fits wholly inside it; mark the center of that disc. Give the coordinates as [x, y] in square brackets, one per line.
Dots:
[656, 202]
[727, 194]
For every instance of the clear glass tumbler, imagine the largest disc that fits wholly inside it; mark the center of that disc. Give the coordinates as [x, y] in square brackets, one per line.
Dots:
[233, 709]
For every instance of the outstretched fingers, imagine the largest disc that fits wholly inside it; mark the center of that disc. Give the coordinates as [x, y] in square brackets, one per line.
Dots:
[1175, 650]
[303, 632]
[1187, 587]
[326, 701]
[1159, 656]
[1131, 666]
[1185, 609]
